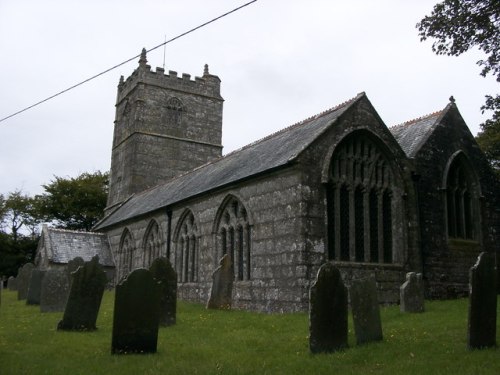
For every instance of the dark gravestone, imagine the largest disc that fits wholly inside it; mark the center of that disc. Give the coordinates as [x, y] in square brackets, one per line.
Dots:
[165, 276]
[35, 287]
[11, 283]
[55, 291]
[73, 265]
[136, 314]
[23, 280]
[365, 311]
[328, 311]
[84, 300]
[221, 293]
[482, 323]
[411, 293]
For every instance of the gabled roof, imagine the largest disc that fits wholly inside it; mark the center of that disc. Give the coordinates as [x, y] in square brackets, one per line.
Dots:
[269, 153]
[61, 246]
[411, 135]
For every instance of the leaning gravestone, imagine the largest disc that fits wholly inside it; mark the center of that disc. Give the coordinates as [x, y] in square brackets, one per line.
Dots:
[84, 298]
[35, 287]
[411, 293]
[11, 283]
[365, 311]
[23, 280]
[165, 276]
[482, 322]
[222, 285]
[328, 311]
[55, 291]
[136, 314]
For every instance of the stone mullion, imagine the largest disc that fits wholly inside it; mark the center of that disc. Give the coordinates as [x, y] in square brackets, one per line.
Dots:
[366, 206]
[352, 225]
[380, 220]
[336, 238]
[244, 248]
[236, 253]
[462, 214]
[192, 258]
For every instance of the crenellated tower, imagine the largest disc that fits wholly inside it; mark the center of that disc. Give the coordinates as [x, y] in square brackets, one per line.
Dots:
[165, 125]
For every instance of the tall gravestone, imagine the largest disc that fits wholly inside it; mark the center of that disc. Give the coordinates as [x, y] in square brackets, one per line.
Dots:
[411, 293]
[221, 293]
[55, 291]
[73, 265]
[23, 280]
[166, 277]
[11, 283]
[365, 311]
[84, 300]
[136, 314]
[35, 287]
[482, 322]
[328, 311]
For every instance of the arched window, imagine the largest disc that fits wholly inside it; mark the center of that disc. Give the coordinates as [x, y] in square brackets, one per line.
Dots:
[153, 244]
[360, 200]
[462, 207]
[175, 110]
[125, 254]
[233, 237]
[186, 249]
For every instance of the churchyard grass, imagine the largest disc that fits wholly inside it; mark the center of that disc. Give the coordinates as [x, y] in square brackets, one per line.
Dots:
[237, 342]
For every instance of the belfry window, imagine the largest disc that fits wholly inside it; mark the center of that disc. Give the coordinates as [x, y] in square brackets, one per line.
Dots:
[175, 110]
[233, 235]
[360, 203]
[186, 254]
[461, 201]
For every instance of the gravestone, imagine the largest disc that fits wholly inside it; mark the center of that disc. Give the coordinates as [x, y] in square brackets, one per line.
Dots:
[365, 311]
[166, 277]
[73, 265]
[84, 300]
[35, 287]
[482, 322]
[328, 311]
[55, 291]
[136, 314]
[23, 280]
[411, 293]
[11, 283]
[221, 292]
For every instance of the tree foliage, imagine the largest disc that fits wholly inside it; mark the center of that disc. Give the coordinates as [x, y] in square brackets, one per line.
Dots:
[457, 26]
[75, 203]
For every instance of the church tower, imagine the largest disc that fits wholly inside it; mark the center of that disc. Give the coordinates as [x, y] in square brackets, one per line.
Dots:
[165, 125]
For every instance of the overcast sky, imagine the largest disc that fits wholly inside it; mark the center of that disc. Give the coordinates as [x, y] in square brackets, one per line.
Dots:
[280, 61]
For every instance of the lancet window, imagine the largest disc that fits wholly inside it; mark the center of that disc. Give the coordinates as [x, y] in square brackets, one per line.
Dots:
[233, 236]
[187, 249]
[361, 203]
[125, 254]
[175, 110]
[153, 244]
[461, 201]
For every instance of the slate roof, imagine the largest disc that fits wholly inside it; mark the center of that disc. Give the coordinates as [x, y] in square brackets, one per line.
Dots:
[61, 246]
[274, 151]
[411, 135]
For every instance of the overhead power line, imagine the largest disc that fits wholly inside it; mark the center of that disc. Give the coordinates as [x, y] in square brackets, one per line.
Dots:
[127, 61]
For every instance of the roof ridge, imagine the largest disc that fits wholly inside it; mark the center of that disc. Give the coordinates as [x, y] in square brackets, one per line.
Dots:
[73, 231]
[415, 120]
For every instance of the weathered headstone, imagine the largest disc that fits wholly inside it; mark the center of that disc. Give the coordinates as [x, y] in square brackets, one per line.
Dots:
[411, 293]
[35, 287]
[328, 311]
[136, 314]
[222, 285]
[23, 280]
[73, 265]
[166, 277]
[84, 300]
[365, 311]
[482, 322]
[55, 291]
[11, 283]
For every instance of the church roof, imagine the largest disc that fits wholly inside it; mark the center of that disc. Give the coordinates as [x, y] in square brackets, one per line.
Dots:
[269, 153]
[61, 246]
[411, 135]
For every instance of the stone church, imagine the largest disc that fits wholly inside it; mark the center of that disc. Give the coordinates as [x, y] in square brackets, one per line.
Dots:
[339, 186]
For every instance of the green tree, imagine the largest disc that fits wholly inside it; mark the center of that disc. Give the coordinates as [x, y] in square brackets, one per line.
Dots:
[75, 203]
[457, 26]
[19, 213]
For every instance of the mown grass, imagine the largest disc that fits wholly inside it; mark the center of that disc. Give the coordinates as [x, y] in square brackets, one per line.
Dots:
[237, 342]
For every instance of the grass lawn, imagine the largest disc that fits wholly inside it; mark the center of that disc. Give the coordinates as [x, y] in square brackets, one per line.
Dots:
[238, 342]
